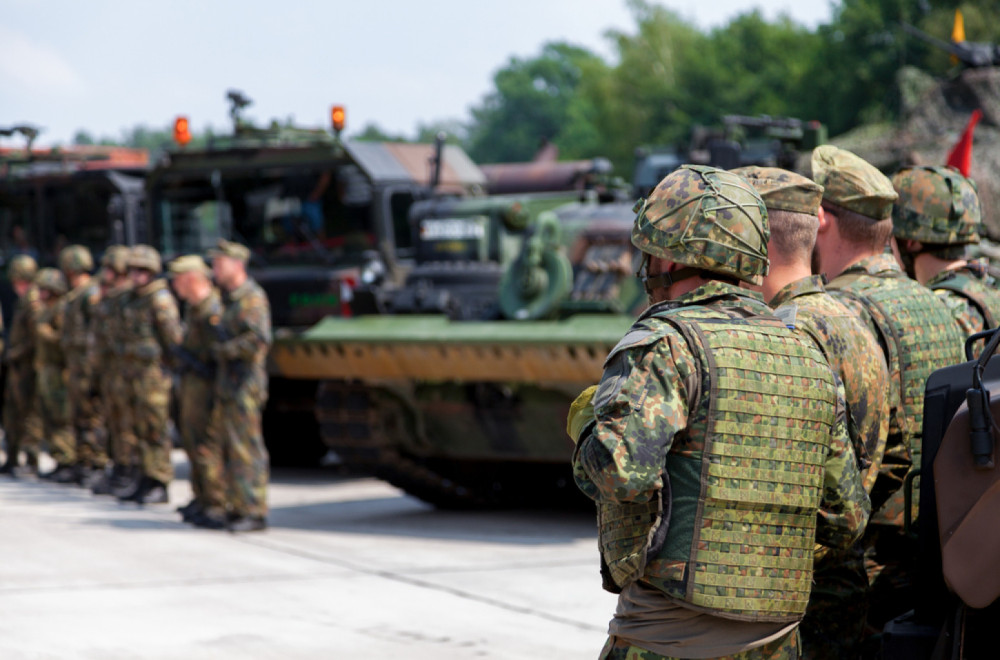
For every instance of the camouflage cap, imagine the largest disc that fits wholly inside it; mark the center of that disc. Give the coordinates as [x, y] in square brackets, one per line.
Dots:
[145, 256]
[51, 279]
[937, 205]
[22, 267]
[705, 218]
[76, 259]
[782, 190]
[115, 259]
[189, 263]
[852, 182]
[230, 249]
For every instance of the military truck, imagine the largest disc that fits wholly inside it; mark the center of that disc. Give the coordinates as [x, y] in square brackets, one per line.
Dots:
[321, 216]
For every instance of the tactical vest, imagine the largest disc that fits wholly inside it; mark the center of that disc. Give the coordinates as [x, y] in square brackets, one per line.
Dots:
[735, 532]
[985, 298]
[141, 338]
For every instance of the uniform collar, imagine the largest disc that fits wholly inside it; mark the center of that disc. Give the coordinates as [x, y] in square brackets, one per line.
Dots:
[881, 264]
[802, 287]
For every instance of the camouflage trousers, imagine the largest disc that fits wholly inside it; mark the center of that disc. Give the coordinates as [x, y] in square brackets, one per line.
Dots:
[21, 421]
[150, 398]
[116, 392]
[785, 648]
[235, 452]
[88, 418]
[196, 398]
[57, 423]
[834, 624]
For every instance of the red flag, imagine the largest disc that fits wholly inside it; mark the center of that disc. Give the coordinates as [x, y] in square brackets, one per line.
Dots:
[961, 154]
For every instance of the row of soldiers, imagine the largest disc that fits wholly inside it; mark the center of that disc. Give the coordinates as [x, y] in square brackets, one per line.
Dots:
[91, 369]
[716, 447]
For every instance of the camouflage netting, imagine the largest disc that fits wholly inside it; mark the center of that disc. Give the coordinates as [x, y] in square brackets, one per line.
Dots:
[935, 114]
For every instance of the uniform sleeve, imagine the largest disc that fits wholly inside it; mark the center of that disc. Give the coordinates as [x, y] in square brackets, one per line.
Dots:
[845, 506]
[253, 331]
[640, 405]
[168, 322]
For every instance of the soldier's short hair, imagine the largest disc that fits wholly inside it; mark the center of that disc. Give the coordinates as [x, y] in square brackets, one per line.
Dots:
[858, 229]
[793, 235]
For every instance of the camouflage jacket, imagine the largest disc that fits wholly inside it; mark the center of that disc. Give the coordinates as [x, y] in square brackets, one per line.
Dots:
[201, 322]
[648, 456]
[22, 339]
[152, 323]
[971, 294]
[48, 335]
[80, 304]
[854, 354]
[108, 325]
[918, 335]
[245, 328]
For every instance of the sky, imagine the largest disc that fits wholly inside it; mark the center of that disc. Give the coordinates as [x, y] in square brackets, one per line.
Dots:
[109, 65]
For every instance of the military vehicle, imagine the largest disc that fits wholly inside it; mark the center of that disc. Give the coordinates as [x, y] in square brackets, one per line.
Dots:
[321, 217]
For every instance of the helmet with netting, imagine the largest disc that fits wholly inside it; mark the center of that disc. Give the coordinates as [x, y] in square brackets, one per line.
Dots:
[22, 267]
[51, 279]
[115, 259]
[75, 259]
[708, 219]
[936, 205]
[145, 256]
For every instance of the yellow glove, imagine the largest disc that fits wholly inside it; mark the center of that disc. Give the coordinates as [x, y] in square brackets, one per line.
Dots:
[581, 413]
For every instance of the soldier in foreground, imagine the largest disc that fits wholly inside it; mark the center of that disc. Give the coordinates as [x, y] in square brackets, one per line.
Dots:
[153, 331]
[240, 351]
[834, 623]
[191, 279]
[76, 262]
[713, 424]
[936, 218]
[50, 365]
[915, 329]
[21, 422]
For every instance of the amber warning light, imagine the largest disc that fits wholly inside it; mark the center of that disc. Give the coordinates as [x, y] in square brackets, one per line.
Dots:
[337, 117]
[182, 131]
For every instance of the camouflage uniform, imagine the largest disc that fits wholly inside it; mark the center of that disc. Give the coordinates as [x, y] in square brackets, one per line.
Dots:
[152, 330]
[971, 294]
[716, 436]
[21, 421]
[241, 391]
[78, 345]
[50, 364]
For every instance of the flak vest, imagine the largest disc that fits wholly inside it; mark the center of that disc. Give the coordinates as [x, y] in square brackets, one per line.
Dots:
[141, 342]
[985, 299]
[733, 533]
[921, 336]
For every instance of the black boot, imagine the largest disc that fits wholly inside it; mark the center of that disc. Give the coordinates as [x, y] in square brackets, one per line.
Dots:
[9, 468]
[154, 492]
[104, 484]
[129, 486]
[247, 524]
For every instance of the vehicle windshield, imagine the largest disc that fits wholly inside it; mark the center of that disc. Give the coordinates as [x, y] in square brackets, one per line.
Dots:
[313, 218]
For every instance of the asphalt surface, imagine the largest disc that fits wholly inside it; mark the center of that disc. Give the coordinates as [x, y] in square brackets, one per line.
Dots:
[349, 568]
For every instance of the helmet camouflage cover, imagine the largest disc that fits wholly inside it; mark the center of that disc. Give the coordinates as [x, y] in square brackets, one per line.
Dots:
[75, 259]
[52, 280]
[708, 219]
[937, 205]
[115, 259]
[22, 267]
[145, 256]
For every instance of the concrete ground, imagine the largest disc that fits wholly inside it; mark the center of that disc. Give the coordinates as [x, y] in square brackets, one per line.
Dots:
[349, 568]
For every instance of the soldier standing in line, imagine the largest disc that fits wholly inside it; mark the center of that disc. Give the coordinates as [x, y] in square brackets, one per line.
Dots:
[241, 354]
[713, 424]
[108, 332]
[833, 626]
[50, 365]
[76, 262]
[917, 333]
[191, 279]
[936, 217]
[22, 424]
[153, 331]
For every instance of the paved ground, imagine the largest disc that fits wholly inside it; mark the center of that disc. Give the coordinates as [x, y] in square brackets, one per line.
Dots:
[349, 568]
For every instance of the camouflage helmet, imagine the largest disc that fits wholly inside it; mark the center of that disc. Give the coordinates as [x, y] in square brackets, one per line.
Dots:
[115, 259]
[75, 259]
[22, 267]
[145, 256]
[51, 279]
[937, 205]
[708, 219]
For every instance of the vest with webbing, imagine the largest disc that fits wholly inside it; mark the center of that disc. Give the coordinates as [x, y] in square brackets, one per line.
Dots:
[985, 298]
[734, 531]
[921, 336]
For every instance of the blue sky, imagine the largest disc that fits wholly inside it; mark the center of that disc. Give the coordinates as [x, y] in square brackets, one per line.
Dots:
[108, 65]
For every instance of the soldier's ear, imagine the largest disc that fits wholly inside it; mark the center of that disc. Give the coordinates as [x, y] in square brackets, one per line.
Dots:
[824, 222]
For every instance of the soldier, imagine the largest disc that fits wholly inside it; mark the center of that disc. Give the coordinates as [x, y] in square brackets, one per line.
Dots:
[915, 329]
[22, 424]
[192, 281]
[79, 304]
[241, 390]
[834, 623]
[109, 368]
[153, 331]
[50, 365]
[716, 443]
[936, 217]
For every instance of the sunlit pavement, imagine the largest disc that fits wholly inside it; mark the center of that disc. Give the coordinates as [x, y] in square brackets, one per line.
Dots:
[348, 567]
